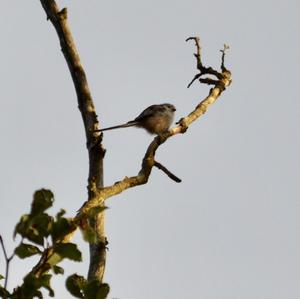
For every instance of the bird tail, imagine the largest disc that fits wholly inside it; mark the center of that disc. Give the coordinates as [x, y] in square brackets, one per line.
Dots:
[129, 124]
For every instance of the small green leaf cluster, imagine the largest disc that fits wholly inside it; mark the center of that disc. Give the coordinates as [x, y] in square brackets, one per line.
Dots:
[48, 237]
[79, 287]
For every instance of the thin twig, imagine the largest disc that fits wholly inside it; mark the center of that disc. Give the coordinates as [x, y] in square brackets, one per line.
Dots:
[167, 172]
[209, 81]
[223, 68]
[197, 76]
[202, 69]
[7, 261]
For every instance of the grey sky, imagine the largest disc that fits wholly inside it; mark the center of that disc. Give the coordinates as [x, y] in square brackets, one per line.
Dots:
[230, 230]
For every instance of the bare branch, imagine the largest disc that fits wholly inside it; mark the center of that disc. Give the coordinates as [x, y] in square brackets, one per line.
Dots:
[226, 47]
[85, 102]
[97, 193]
[7, 261]
[224, 80]
[167, 172]
[208, 81]
[202, 69]
[86, 106]
[197, 76]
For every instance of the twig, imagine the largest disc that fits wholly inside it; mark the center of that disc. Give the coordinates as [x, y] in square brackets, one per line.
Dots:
[167, 172]
[226, 47]
[202, 69]
[7, 261]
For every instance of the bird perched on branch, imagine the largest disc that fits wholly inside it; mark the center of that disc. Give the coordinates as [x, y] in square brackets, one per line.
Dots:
[156, 119]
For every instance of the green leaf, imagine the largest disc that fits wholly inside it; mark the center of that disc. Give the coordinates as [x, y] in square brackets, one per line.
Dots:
[27, 230]
[1, 277]
[43, 223]
[68, 250]
[60, 214]
[45, 283]
[26, 250]
[32, 284]
[58, 270]
[42, 200]
[61, 228]
[34, 227]
[75, 284]
[30, 287]
[96, 290]
[25, 292]
[3, 292]
[54, 259]
[22, 225]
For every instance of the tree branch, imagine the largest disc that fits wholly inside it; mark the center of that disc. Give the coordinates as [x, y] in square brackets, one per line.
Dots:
[222, 81]
[167, 172]
[86, 106]
[202, 69]
[7, 261]
[97, 193]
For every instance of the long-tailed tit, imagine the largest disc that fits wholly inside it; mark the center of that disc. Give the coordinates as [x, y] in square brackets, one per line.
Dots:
[156, 119]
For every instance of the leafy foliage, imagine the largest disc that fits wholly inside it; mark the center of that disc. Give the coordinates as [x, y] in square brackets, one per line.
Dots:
[3, 292]
[42, 200]
[34, 227]
[26, 250]
[48, 237]
[75, 285]
[62, 227]
[69, 251]
[58, 270]
[96, 290]
[79, 287]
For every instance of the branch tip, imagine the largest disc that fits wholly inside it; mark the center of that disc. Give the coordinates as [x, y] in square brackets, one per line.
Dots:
[194, 79]
[195, 38]
[223, 51]
[167, 172]
[63, 14]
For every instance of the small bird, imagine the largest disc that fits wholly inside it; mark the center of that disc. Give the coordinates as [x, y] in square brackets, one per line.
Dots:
[156, 119]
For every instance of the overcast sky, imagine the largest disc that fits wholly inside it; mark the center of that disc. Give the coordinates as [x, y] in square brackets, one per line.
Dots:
[230, 230]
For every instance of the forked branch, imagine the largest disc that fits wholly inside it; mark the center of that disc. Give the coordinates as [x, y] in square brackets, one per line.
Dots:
[7, 261]
[97, 193]
[221, 82]
[94, 141]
